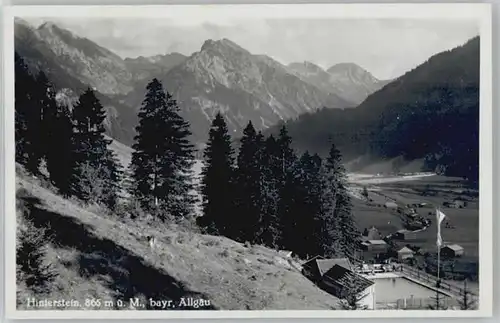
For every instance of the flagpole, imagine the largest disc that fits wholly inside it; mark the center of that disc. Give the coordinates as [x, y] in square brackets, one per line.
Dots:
[438, 283]
[438, 250]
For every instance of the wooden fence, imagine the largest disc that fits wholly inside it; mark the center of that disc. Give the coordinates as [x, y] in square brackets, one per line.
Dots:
[432, 281]
[418, 304]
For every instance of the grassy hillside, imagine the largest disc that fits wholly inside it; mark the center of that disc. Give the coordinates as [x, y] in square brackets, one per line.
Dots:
[107, 257]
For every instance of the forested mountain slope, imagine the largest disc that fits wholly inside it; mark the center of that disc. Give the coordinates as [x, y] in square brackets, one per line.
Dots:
[431, 112]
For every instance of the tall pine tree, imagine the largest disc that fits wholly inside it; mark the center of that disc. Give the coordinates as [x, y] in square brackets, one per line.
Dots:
[163, 157]
[218, 182]
[27, 117]
[288, 189]
[44, 95]
[340, 236]
[96, 170]
[307, 204]
[23, 82]
[248, 178]
[270, 229]
[59, 151]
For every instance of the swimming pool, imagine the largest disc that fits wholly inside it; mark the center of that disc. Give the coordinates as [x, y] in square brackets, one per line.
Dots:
[393, 289]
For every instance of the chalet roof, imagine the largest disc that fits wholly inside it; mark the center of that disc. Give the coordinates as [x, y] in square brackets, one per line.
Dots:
[377, 242]
[345, 277]
[324, 265]
[405, 250]
[454, 247]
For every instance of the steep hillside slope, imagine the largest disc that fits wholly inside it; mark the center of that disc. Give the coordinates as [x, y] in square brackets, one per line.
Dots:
[96, 255]
[431, 112]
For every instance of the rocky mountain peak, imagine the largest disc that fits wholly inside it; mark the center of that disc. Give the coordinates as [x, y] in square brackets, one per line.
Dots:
[351, 71]
[222, 45]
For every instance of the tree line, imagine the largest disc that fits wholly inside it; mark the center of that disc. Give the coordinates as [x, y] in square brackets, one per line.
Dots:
[69, 144]
[269, 195]
[265, 194]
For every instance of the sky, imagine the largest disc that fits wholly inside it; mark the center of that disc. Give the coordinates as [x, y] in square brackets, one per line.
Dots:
[387, 48]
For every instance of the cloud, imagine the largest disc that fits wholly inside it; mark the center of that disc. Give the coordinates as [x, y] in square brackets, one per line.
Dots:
[385, 47]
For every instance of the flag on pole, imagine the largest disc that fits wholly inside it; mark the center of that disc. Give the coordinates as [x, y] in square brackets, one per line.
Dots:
[439, 216]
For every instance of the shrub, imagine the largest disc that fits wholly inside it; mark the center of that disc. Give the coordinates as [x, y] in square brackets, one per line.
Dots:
[93, 185]
[32, 267]
[130, 209]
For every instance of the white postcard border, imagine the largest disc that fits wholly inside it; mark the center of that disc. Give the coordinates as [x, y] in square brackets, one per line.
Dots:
[480, 12]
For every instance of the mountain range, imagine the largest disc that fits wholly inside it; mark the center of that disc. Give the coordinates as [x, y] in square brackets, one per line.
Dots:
[429, 113]
[221, 76]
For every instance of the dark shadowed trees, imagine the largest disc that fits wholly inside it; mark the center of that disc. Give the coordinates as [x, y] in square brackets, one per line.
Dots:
[248, 183]
[28, 118]
[270, 230]
[307, 205]
[59, 152]
[163, 156]
[218, 182]
[339, 236]
[94, 162]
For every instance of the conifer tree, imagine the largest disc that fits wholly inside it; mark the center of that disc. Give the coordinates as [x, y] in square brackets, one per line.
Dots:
[96, 170]
[113, 175]
[248, 178]
[307, 204]
[60, 148]
[286, 153]
[163, 157]
[270, 229]
[288, 189]
[23, 105]
[340, 235]
[218, 181]
[352, 294]
[44, 95]
[28, 117]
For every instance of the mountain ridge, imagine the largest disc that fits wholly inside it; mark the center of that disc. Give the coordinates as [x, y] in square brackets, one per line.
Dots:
[347, 80]
[221, 76]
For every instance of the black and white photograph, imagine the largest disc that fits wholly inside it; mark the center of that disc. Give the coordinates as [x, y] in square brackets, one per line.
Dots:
[249, 159]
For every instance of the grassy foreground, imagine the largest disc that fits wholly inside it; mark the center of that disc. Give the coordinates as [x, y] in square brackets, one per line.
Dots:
[97, 256]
